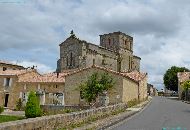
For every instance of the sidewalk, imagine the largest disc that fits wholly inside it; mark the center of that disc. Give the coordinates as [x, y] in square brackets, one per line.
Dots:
[13, 113]
[113, 120]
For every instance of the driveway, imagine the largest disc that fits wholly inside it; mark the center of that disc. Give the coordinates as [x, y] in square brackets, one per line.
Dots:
[162, 114]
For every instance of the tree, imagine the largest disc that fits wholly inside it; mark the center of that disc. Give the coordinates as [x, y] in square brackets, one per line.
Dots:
[32, 106]
[186, 87]
[170, 77]
[95, 86]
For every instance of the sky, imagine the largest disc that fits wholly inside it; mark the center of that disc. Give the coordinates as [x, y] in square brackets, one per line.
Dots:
[31, 30]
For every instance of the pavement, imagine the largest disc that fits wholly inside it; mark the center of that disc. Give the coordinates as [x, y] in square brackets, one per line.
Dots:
[13, 113]
[161, 114]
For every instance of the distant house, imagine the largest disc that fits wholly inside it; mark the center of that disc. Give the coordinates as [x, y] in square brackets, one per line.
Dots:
[182, 77]
[5, 65]
[151, 90]
[9, 86]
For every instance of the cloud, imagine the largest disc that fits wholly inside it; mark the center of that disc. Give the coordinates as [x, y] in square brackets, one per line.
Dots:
[31, 32]
[42, 68]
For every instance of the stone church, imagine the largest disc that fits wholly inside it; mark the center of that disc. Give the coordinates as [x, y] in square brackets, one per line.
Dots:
[115, 52]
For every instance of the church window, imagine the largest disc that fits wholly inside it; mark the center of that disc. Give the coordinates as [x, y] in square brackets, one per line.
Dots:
[72, 60]
[67, 60]
[125, 42]
[109, 41]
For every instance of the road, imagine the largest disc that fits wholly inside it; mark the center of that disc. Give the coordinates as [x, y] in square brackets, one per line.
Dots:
[161, 114]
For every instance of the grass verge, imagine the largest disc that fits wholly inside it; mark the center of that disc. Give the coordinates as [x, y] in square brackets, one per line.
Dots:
[6, 118]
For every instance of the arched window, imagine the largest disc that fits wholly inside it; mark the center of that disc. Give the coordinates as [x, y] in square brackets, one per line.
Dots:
[109, 42]
[67, 60]
[71, 60]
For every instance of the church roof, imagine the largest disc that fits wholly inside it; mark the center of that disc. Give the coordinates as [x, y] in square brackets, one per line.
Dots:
[134, 76]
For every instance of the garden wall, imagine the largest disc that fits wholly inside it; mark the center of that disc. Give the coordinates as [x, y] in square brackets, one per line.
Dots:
[57, 121]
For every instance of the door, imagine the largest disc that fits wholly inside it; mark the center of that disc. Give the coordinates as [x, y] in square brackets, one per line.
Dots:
[6, 99]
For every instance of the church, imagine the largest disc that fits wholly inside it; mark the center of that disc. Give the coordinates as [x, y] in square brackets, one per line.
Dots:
[115, 52]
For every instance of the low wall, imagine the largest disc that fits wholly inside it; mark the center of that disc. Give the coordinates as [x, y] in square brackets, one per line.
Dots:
[57, 121]
[61, 107]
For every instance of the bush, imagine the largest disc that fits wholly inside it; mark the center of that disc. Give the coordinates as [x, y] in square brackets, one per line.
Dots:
[19, 105]
[32, 106]
[132, 103]
[1, 109]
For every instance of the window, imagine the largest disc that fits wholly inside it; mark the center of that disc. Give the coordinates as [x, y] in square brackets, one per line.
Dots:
[109, 41]
[125, 42]
[71, 58]
[4, 68]
[67, 60]
[7, 82]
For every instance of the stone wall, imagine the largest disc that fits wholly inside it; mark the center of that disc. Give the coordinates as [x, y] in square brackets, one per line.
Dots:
[143, 89]
[57, 121]
[72, 83]
[130, 90]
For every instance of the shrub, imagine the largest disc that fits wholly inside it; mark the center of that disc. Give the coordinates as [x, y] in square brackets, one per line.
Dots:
[19, 105]
[132, 103]
[32, 106]
[1, 109]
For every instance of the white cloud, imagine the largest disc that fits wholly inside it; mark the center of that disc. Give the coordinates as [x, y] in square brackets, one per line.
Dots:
[42, 68]
[32, 31]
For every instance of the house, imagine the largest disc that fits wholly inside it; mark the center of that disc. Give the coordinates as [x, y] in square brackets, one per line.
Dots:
[9, 87]
[127, 87]
[5, 65]
[182, 77]
[48, 87]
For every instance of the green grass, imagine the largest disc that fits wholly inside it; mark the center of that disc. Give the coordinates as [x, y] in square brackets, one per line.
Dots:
[5, 118]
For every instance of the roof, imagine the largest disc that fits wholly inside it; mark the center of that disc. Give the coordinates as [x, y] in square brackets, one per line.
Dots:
[134, 76]
[46, 78]
[183, 76]
[15, 72]
[9, 63]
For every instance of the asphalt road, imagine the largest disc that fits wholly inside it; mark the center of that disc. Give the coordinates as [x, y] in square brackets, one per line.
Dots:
[161, 114]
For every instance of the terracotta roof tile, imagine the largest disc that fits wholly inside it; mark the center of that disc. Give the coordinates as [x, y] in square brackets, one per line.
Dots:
[9, 63]
[14, 72]
[135, 75]
[46, 78]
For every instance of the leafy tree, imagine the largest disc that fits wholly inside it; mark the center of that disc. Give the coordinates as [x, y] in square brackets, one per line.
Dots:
[32, 106]
[95, 85]
[186, 86]
[170, 77]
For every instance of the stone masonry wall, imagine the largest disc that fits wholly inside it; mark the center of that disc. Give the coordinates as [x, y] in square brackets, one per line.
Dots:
[57, 121]
[72, 83]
